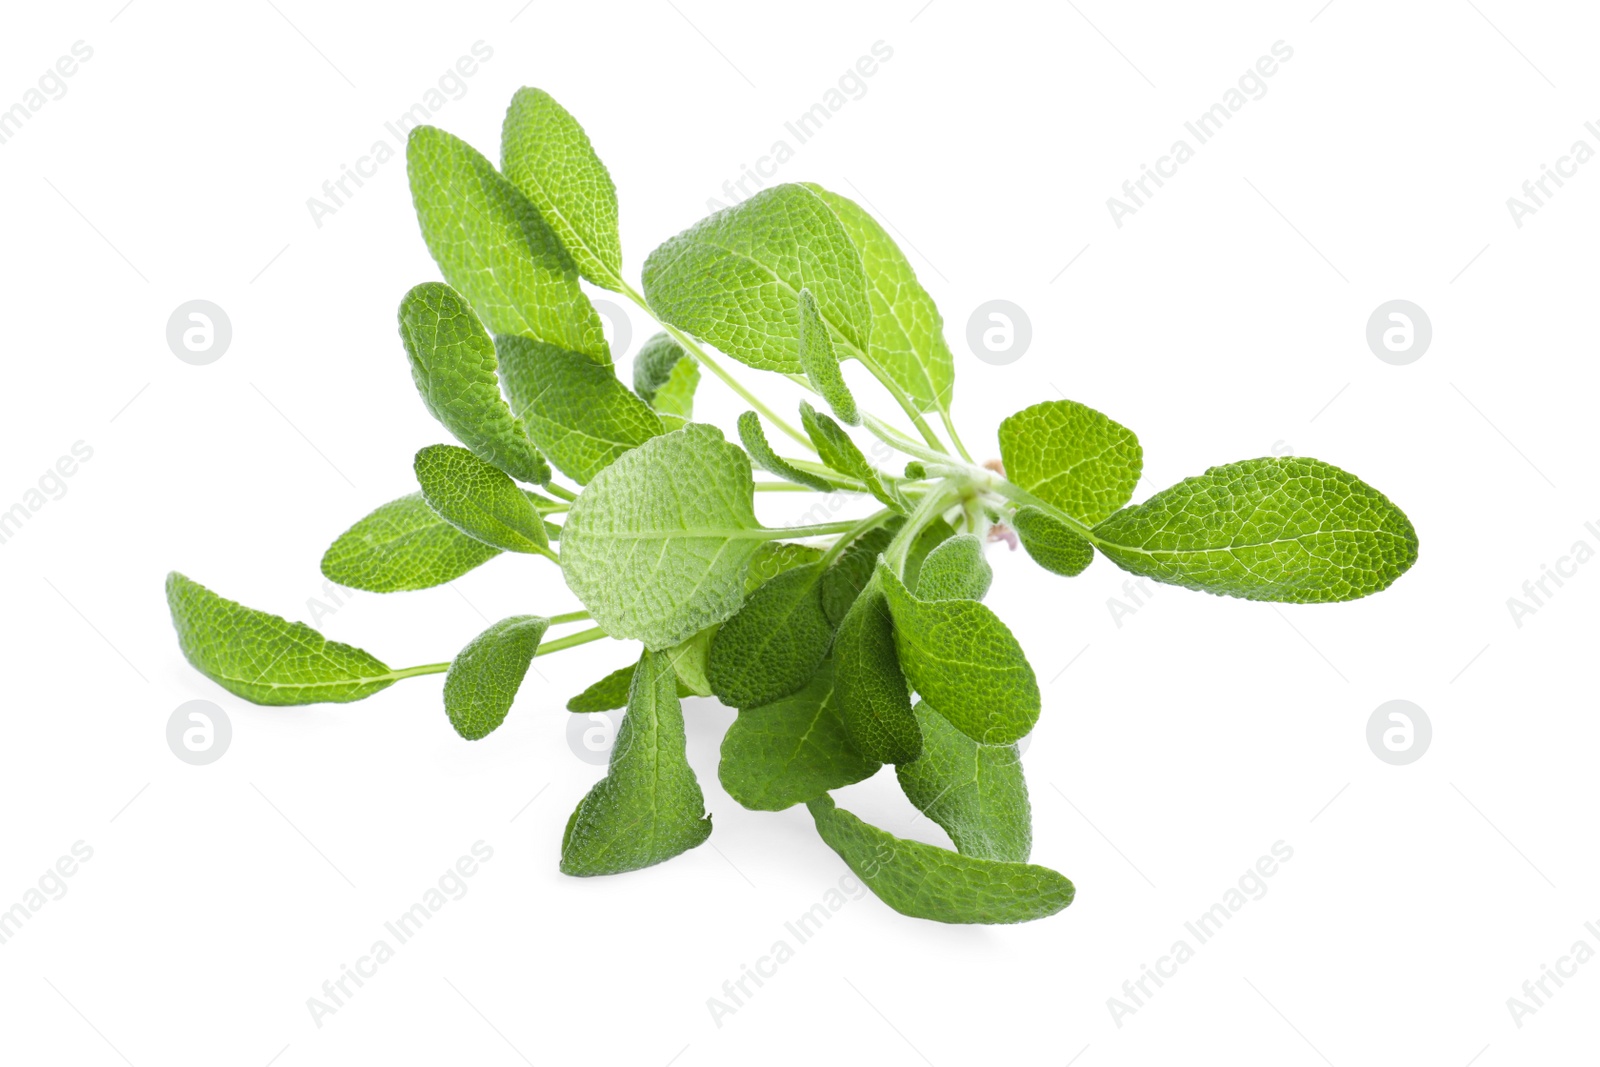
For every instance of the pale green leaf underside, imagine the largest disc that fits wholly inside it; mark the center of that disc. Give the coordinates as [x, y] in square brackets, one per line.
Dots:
[962, 659]
[1288, 529]
[1072, 457]
[658, 544]
[648, 808]
[975, 792]
[548, 157]
[402, 545]
[955, 570]
[762, 455]
[484, 677]
[264, 658]
[495, 250]
[907, 344]
[926, 882]
[479, 500]
[454, 366]
[791, 750]
[1051, 543]
[820, 362]
[690, 662]
[734, 278]
[574, 408]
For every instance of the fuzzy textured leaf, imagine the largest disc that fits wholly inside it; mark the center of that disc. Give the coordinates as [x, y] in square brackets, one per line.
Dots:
[763, 456]
[839, 452]
[873, 697]
[453, 363]
[648, 808]
[821, 364]
[548, 157]
[1072, 457]
[479, 499]
[791, 750]
[657, 547]
[774, 645]
[964, 661]
[665, 377]
[926, 882]
[1051, 543]
[495, 250]
[1288, 529]
[955, 570]
[264, 658]
[975, 792]
[734, 278]
[484, 677]
[574, 408]
[907, 344]
[402, 545]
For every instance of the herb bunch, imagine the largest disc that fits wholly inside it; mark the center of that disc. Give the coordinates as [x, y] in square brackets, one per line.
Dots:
[845, 645]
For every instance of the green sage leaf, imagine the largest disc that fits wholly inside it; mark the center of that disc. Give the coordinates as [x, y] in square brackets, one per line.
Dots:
[975, 792]
[495, 250]
[926, 882]
[485, 675]
[648, 808]
[839, 452]
[907, 343]
[574, 408]
[267, 659]
[1072, 457]
[479, 499]
[791, 750]
[955, 570]
[402, 545]
[1051, 543]
[734, 278]
[964, 661]
[548, 157]
[454, 365]
[775, 643]
[874, 700]
[1289, 529]
[665, 377]
[658, 545]
[762, 455]
[821, 364]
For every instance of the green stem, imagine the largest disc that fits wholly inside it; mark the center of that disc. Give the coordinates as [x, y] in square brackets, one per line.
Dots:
[928, 508]
[955, 438]
[811, 531]
[582, 637]
[571, 616]
[782, 487]
[850, 535]
[904, 401]
[561, 491]
[1020, 495]
[900, 442]
[704, 359]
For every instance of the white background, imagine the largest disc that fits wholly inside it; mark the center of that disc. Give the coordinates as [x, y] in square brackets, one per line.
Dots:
[1224, 320]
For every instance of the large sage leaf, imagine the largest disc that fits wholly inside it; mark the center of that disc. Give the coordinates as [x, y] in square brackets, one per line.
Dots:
[1072, 457]
[548, 157]
[775, 643]
[574, 408]
[267, 659]
[402, 545]
[1290, 529]
[874, 700]
[479, 500]
[734, 278]
[648, 808]
[975, 792]
[926, 882]
[495, 250]
[658, 545]
[791, 750]
[964, 661]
